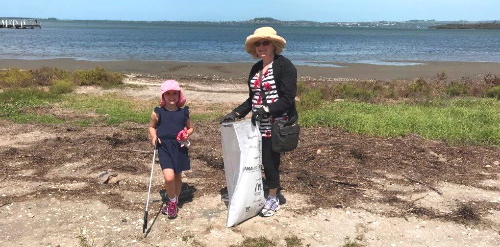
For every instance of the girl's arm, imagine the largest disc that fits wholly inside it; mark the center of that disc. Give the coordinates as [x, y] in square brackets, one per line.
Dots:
[152, 128]
[189, 126]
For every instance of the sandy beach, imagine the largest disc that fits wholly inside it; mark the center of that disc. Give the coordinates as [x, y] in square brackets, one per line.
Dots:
[238, 71]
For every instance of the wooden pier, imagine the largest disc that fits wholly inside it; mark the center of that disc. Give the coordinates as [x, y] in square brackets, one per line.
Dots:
[20, 24]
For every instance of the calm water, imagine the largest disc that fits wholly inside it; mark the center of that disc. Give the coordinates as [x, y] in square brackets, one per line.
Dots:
[214, 43]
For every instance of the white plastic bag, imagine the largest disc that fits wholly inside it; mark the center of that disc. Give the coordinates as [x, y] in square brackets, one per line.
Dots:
[241, 149]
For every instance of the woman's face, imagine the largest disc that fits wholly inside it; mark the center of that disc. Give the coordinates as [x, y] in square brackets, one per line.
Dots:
[264, 48]
[171, 97]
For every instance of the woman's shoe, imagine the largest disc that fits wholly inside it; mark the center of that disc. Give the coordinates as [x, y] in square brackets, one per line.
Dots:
[270, 207]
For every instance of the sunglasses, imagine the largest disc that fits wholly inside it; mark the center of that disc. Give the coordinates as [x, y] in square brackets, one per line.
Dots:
[264, 43]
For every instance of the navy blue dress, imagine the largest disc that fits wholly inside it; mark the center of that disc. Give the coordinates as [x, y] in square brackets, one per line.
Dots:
[171, 154]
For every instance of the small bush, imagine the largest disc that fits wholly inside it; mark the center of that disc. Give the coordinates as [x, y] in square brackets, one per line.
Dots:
[46, 75]
[350, 91]
[492, 79]
[419, 88]
[441, 76]
[467, 214]
[293, 241]
[457, 89]
[311, 99]
[352, 243]
[16, 78]
[97, 76]
[61, 87]
[255, 242]
[493, 92]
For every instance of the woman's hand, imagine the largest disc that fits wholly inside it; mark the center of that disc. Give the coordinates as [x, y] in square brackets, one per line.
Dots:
[231, 117]
[260, 114]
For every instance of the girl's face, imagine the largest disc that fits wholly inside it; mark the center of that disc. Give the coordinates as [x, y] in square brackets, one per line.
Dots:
[171, 97]
[264, 48]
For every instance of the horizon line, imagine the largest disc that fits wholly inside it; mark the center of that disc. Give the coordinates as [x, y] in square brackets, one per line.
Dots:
[250, 20]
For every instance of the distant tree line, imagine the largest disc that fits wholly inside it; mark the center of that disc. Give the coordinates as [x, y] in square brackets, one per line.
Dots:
[488, 25]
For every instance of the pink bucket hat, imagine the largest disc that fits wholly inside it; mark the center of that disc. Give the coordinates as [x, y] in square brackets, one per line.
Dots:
[172, 85]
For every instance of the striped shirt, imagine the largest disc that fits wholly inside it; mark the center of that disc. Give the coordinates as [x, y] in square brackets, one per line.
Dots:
[268, 86]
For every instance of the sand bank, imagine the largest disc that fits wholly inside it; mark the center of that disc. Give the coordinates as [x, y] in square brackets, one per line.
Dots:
[237, 71]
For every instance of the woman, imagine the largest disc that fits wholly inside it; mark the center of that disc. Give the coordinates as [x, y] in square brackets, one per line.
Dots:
[272, 87]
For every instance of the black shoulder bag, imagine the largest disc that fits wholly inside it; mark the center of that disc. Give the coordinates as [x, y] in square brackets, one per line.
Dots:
[284, 133]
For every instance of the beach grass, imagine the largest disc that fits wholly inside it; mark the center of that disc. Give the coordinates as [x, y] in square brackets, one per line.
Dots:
[113, 107]
[255, 242]
[458, 112]
[417, 90]
[20, 105]
[45, 76]
[457, 120]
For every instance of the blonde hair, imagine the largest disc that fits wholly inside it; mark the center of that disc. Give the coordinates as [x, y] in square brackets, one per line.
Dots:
[278, 48]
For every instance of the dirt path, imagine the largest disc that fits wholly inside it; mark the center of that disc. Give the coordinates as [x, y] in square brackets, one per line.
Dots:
[339, 187]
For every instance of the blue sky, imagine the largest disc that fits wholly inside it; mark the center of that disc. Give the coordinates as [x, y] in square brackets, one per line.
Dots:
[229, 10]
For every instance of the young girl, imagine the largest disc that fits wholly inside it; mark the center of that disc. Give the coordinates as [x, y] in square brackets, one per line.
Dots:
[171, 126]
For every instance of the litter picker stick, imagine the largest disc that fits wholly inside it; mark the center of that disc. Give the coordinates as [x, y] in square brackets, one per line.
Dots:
[145, 225]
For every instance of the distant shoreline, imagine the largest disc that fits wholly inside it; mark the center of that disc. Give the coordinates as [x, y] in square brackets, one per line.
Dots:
[483, 25]
[239, 71]
[267, 21]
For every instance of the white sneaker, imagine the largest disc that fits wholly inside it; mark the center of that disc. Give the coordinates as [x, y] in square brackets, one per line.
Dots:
[270, 207]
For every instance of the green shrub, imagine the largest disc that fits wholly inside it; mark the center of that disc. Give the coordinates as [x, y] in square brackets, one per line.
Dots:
[255, 242]
[457, 89]
[419, 88]
[15, 78]
[350, 91]
[97, 76]
[441, 76]
[293, 241]
[492, 79]
[312, 99]
[61, 87]
[352, 243]
[46, 75]
[493, 92]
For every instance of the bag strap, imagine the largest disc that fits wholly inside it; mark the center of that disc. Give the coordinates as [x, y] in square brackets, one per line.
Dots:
[294, 117]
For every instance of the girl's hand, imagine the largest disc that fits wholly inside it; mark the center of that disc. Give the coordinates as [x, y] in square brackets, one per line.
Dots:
[182, 135]
[155, 142]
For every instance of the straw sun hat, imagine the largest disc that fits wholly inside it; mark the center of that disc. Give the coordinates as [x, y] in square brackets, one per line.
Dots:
[267, 33]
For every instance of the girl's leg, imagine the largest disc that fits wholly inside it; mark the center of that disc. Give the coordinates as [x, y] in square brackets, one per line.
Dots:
[178, 184]
[170, 185]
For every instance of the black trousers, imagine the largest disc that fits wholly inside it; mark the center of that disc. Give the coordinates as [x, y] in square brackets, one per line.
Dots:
[271, 163]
